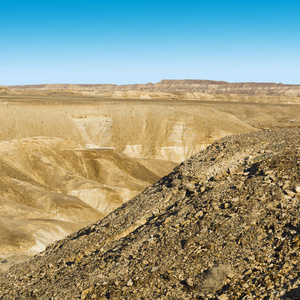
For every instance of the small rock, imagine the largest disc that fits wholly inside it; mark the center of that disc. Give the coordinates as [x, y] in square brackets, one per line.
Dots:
[190, 282]
[155, 212]
[286, 184]
[297, 189]
[248, 272]
[199, 214]
[85, 292]
[167, 220]
[289, 193]
[230, 275]
[245, 285]
[117, 282]
[226, 205]
[296, 244]
[130, 282]
[235, 199]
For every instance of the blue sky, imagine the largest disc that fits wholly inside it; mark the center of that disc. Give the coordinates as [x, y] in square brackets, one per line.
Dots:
[145, 41]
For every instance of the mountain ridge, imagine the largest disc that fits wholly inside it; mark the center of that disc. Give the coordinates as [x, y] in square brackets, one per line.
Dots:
[186, 85]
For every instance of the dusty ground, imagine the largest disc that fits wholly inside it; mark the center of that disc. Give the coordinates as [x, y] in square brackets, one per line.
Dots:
[67, 160]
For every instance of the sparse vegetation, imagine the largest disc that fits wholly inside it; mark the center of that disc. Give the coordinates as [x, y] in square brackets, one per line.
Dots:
[214, 278]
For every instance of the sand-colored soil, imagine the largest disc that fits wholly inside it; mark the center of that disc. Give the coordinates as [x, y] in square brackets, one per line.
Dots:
[67, 160]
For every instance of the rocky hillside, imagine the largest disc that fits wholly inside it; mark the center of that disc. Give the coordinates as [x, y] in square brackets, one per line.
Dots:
[223, 225]
[176, 86]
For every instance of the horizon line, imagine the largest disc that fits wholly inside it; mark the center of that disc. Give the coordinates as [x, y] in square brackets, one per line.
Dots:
[151, 83]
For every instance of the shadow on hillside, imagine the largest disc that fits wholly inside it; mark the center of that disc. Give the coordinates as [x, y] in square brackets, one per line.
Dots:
[293, 294]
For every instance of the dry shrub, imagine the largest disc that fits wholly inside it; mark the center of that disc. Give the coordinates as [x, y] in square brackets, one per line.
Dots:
[214, 278]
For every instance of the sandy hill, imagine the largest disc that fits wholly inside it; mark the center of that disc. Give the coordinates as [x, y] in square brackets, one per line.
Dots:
[223, 225]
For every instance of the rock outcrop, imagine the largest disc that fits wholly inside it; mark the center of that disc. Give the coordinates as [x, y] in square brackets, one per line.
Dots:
[223, 225]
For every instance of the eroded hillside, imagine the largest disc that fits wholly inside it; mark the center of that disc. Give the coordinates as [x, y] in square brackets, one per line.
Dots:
[65, 166]
[68, 159]
[51, 187]
[223, 225]
[168, 132]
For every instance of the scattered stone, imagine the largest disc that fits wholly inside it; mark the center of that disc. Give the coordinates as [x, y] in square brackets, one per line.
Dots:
[199, 214]
[190, 282]
[129, 282]
[247, 272]
[289, 193]
[85, 292]
[297, 189]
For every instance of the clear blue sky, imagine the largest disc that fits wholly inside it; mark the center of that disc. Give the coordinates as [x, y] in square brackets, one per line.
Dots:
[123, 42]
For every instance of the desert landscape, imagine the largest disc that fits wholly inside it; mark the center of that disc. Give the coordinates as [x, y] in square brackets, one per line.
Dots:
[149, 150]
[74, 155]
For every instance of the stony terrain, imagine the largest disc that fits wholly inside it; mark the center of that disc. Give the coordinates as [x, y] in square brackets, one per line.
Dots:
[223, 225]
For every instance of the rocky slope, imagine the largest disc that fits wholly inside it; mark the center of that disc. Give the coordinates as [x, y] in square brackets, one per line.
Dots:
[223, 225]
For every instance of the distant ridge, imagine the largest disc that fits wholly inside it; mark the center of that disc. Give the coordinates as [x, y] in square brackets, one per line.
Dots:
[186, 85]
